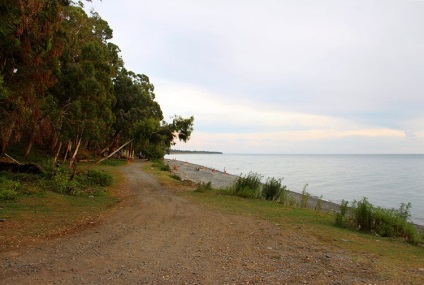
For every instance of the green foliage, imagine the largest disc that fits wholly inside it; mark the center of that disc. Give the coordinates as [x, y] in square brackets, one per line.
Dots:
[283, 195]
[61, 183]
[62, 80]
[271, 190]
[305, 197]
[175, 176]
[341, 219]
[248, 186]
[364, 214]
[202, 187]
[8, 189]
[94, 178]
[384, 222]
[159, 163]
[292, 202]
[318, 207]
[8, 195]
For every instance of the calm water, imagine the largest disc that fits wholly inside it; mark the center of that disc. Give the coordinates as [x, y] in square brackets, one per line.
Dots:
[386, 180]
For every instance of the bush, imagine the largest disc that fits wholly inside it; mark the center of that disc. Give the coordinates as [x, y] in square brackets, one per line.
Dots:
[384, 222]
[283, 195]
[248, 186]
[176, 177]
[305, 197]
[318, 206]
[272, 189]
[202, 187]
[8, 189]
[341, 219]
[8, 195]
[62, 184]
[364, 214]
[8, 184]
[158, 163]
[292, 201]
[95, 178]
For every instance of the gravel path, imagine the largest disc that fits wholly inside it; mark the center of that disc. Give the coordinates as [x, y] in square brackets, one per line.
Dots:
[157, 237]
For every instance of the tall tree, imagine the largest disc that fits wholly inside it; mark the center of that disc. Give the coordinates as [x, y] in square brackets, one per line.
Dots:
[84, 95]
[29, 49]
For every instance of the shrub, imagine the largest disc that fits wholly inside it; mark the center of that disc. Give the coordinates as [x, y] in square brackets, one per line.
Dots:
[318, 207]
[175, 176]
[95, 178]
[158, 163]
[272, 189]
[248, 186]
[8, 195]
[411, 234]
[62, 184]
[341, 217]
[364, 214]
[385, 222]
[202, 187]
[283, 195]
[8, 189]
[292, 201]
[305, 197]
[8, 184]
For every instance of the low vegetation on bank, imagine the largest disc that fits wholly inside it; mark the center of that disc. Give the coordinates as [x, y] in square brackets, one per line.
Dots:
[357, 216]
[392, 256]
[37, 205]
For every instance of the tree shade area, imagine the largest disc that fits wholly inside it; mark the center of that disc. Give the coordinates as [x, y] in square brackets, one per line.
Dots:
[64, 86]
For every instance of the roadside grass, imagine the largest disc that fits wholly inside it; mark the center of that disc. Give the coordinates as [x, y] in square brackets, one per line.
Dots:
[43, 213]
[392, 257]
[166, 177]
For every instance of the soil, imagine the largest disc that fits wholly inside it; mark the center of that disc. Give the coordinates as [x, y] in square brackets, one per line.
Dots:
[158, 237]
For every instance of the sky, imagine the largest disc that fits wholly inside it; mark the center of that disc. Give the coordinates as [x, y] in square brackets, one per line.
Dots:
[281, 76]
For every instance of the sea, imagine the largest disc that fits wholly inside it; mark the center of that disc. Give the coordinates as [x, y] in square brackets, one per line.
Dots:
[386, 180]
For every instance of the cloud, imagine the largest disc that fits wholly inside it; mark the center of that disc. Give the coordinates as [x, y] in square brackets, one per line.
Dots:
[344, 74]
[234, 126]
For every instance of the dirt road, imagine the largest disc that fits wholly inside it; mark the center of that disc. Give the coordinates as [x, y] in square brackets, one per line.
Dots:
[157, 237]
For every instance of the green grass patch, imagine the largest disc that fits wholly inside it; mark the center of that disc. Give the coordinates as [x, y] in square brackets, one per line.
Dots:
[43, 204]
[160, 164]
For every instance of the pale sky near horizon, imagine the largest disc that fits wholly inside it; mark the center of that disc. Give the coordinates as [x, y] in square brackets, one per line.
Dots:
[281, 76]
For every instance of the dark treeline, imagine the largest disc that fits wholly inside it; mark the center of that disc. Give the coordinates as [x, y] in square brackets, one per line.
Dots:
[64, 86]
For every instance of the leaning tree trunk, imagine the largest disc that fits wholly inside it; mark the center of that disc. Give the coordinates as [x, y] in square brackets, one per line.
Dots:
[68, 149]
[72, 160]
[57, 153]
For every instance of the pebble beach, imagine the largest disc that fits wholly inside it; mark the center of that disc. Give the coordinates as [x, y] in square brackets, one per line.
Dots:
[219, 179]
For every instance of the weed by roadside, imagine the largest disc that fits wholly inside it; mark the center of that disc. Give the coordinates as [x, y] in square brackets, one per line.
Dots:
[161, 165]
[202, 187]
[248, 186]
[366, 217]
[272, 189]
[305, 197]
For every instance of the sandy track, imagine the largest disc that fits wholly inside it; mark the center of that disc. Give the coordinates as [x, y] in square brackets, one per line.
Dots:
[157, 237]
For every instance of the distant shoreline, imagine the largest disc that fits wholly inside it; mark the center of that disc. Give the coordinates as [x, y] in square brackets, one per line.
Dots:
[176, 151]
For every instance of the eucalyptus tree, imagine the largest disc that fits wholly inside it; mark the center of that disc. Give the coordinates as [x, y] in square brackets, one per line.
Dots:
[84, 94]
[139, 117]
[29, 47]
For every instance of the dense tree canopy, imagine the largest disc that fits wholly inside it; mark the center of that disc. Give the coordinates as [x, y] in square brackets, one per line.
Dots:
[63, 85]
